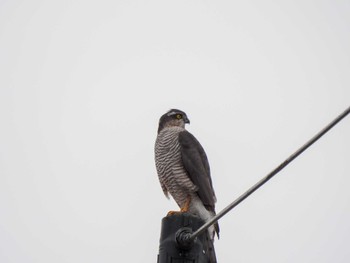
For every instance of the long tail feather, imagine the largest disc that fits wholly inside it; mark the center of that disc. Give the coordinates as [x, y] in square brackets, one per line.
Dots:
[209, 248]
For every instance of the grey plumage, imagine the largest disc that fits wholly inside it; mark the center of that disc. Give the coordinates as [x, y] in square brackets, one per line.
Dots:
[184, 172]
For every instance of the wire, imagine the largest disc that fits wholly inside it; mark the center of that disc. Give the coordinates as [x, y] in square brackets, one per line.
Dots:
[269, 176]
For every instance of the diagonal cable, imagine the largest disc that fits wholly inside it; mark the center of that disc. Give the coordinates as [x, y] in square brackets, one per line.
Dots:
[269, 176]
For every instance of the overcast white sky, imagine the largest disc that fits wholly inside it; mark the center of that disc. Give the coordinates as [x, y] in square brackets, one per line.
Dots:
[83, 84]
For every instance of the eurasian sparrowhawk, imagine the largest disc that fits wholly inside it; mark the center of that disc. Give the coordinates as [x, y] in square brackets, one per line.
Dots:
[183, 171]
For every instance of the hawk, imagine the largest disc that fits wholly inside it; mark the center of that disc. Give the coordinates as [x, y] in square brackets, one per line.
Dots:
[183, 171]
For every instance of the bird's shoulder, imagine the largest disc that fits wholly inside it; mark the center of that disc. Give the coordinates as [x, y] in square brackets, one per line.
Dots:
[188, 140]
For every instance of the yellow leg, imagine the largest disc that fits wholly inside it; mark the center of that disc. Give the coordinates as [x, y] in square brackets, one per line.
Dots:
[183, 209]
[186, 205]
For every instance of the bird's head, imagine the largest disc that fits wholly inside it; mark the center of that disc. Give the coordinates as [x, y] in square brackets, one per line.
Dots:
[173, 118]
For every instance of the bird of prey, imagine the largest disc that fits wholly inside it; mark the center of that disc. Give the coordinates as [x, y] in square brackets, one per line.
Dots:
[183, 171]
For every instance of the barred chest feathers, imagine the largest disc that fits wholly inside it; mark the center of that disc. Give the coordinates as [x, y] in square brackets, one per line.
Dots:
[172, 175]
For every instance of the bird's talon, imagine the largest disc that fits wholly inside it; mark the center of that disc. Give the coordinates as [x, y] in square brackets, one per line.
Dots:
[171, 213]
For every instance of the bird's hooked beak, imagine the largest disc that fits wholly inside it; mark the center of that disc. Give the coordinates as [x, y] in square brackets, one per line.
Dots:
[186, 120]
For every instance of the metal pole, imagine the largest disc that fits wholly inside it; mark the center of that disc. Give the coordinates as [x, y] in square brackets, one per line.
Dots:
[172, 247]
[269, 176]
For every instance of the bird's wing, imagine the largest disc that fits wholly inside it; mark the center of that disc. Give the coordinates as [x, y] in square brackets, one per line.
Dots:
[196, 164]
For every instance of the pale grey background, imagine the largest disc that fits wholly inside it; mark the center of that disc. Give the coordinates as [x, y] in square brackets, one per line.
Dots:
[83, 84]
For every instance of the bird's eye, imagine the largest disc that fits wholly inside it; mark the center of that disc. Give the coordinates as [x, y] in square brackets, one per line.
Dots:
[178, 116]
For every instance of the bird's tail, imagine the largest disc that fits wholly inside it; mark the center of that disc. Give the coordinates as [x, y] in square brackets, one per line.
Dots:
[208, 247]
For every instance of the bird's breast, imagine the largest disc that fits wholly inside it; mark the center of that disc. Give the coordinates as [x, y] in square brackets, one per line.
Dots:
[171, 171]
